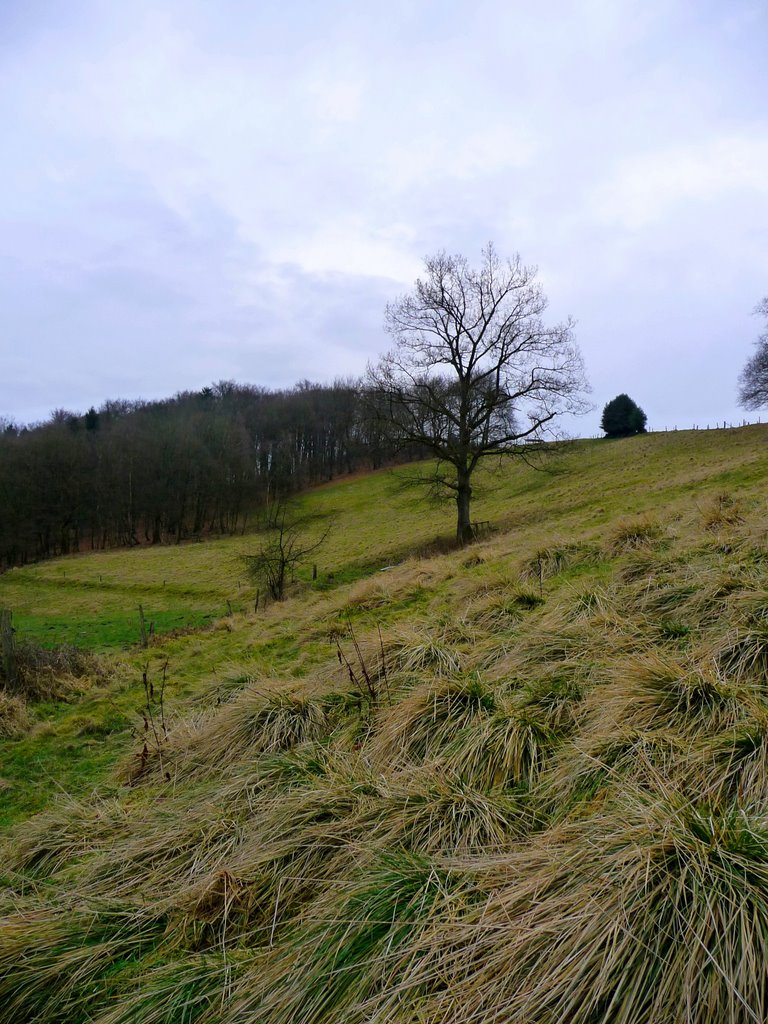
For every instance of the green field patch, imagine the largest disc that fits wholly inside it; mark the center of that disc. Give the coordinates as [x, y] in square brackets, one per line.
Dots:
[101, 634]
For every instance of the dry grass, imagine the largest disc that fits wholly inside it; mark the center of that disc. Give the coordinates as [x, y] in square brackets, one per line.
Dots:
[654, 911]
[631, 534]
[255, 722]
[424, 722]
[14, 716]
[56, 673]
[723, 512]
[554, 811]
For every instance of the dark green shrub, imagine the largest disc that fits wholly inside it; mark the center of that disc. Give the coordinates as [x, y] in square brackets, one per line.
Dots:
[622, 417]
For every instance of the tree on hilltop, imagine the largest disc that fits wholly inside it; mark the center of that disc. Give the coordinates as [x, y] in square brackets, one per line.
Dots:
[475, 371]
[753, 381]
[622, 417]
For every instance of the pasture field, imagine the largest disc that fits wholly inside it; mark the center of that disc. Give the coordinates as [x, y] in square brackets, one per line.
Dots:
[92, 600]
[524, 781]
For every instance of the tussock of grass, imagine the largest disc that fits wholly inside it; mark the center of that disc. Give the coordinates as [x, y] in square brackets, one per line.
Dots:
[421, 724]
[526, 600]
[64, 968]
[506, 748]
[558, 697]
[553, 559]
[631, 534]
[743, 652]
[55, 673]
[169, 852]
[181, 991]
[547, 562]
[738, 764]
[72, 829]
[354, 943]
[367, 595]
[253, 723]
[551, 644]
[656, 913]
[437, 812]
[670, 691]
[604, 763]
[596, 601]
[436, 651]
[502, 610]
[14, 716]
[723, 512]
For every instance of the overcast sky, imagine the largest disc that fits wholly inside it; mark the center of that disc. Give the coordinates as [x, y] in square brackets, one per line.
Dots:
[194, 191]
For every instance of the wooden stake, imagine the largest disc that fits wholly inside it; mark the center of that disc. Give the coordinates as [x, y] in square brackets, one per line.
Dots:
[10, 670]
[143, 628]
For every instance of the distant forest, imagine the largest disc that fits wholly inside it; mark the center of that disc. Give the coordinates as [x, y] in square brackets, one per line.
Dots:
[199, 463]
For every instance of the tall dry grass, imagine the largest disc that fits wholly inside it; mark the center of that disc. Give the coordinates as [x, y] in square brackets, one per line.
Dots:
[555, 810]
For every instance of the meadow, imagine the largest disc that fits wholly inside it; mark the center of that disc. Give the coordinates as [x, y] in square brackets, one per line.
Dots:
[523, 781]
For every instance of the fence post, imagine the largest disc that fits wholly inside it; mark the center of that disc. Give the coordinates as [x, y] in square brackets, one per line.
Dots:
[9, 653]
[143, 628]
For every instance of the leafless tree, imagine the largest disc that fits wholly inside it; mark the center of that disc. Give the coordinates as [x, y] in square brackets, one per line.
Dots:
[475, 371]
[753, 381]
[285, 549]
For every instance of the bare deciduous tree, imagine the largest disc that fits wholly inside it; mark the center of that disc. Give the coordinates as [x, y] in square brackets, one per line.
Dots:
[753, 381]
[283, 552]
[475, 372]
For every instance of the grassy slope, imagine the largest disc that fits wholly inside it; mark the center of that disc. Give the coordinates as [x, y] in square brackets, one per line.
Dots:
[623, 715]
[92, 600]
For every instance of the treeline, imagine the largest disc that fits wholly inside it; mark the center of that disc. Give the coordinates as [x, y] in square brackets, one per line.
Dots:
[133, 473]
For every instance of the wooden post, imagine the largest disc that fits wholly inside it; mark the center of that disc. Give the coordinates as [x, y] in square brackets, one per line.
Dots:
[314, 572]
[10, 670]
[229, 608]
[143, 628]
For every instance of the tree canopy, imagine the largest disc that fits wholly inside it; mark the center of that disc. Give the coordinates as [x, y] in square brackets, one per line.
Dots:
[475, 371]
[622, 417]
[753, 381]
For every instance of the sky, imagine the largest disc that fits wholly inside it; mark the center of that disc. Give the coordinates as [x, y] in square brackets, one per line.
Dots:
[195, 191]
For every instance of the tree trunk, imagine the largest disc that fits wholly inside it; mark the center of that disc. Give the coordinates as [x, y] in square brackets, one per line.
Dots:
[463, 499]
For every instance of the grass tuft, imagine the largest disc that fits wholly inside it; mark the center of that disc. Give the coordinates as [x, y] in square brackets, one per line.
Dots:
[15, 720]
[423, 723]
[631, 534]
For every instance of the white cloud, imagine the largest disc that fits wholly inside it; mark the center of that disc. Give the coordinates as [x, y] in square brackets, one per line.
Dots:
[349, 246]
[336, 98]
[181, 173]
[646, 189]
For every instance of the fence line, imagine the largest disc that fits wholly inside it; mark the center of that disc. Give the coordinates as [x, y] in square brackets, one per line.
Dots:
[718, 426]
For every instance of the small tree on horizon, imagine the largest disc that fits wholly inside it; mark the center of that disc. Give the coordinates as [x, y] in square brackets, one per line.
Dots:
[753, 380]
[622, 417]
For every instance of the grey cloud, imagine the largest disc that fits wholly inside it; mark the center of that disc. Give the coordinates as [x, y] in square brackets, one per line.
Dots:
[198, 191]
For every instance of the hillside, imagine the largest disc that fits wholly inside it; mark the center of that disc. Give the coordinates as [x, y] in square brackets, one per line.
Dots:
[520, 782]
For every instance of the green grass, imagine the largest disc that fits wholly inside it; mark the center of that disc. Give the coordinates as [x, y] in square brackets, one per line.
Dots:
[533, 788]
[92, 600]
[94, 632]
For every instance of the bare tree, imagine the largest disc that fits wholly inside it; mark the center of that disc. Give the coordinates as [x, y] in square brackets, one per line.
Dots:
[753, 380]
[475, 372]
[281, 554]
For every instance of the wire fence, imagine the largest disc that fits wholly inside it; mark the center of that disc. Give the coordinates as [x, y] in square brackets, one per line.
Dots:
[724, 425]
